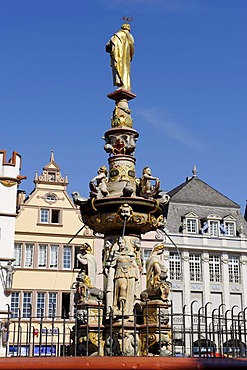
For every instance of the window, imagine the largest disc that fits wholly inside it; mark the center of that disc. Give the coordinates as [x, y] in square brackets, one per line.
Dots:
[15, 304]
[51, 176]
[191, 225]
[213, 225]
[42, 256]
[53, 255]
[76, 262]
[234, 269]
[29, 255]
[44, 216]
[55, 216]
[50, 216]
[65, 305]
[195, 267]
[26, 304]
[50, 198]
[230, 228]
[214, 228]
[146, 253]
[66, 257]
[214, 268]
[40, 308]
[175, 266]
[52, 304]
[17, 255]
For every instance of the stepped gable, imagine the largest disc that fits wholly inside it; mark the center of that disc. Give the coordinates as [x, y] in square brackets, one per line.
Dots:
[196, 196]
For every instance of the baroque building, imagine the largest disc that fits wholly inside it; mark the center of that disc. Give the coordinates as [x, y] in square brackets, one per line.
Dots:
[46, 247]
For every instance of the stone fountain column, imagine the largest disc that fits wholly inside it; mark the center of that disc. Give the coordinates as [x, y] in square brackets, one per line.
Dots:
[122, 207]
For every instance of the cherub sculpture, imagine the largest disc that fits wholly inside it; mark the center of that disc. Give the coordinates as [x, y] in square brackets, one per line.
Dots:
[98, 183]
[147, 190]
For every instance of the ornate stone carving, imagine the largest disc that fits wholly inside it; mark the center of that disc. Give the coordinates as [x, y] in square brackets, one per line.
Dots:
[98, 183]
[147, 190]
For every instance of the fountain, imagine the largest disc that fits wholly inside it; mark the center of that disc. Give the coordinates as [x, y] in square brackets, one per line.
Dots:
[121, 319]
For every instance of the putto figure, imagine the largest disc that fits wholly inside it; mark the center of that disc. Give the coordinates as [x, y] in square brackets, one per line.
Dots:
[98, 184]
[121, 49]
[147, 190]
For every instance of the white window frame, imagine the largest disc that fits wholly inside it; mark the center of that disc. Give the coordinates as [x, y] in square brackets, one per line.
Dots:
[67, 257]
[54, 250]
[29, 248]
[229, 223]
[40, 303]
[215, 274]
[175, 266]
[26, 304]
[213, 222]
[17, 254]
[42, 256]
[234, 269]
[46, 216]
[191, 223]
[52, 302]
[195, 265]
[15, 304]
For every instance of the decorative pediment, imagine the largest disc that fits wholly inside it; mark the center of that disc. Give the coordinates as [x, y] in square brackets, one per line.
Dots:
[229, 218]
[214, 216]
[191, 215]
[51, 173]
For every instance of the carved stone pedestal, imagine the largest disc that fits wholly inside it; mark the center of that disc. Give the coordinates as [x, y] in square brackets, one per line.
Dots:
[155, 334]
[87, 334]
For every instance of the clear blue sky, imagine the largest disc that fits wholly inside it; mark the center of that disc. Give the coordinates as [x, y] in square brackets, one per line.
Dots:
[189, 73]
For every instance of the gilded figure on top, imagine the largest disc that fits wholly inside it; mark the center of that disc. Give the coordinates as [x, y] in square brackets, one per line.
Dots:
[121, 49]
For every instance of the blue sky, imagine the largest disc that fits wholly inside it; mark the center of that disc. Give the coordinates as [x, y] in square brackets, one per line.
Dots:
[189, 73]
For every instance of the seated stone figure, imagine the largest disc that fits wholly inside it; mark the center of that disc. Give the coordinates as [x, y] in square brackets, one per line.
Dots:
[98, 185]
[85, 292]
[157, 286]
[147, 190]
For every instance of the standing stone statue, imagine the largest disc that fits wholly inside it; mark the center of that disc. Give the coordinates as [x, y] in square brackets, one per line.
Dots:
[88, 262]
[126, 276]
[10, 270]
[121, 49]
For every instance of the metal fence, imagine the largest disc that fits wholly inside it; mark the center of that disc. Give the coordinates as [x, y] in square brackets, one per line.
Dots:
[200, 333]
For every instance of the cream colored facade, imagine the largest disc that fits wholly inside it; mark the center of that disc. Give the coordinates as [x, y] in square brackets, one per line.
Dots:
[46, 245]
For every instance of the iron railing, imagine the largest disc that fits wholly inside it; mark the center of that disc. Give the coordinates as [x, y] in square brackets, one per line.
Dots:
[200, 333]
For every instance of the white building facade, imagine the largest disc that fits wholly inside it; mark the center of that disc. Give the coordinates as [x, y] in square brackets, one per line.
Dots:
[9, 180]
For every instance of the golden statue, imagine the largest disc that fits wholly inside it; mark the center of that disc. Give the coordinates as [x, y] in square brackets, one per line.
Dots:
[121, 49]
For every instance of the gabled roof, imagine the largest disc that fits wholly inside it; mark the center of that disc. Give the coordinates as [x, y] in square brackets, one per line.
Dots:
[194, 195]
[197, 192]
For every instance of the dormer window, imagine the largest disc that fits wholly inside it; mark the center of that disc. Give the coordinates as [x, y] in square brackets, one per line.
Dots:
[229, 223]
[214, 228]
[230, 228]
[214, 225]
[191, 222]
[191, 225]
